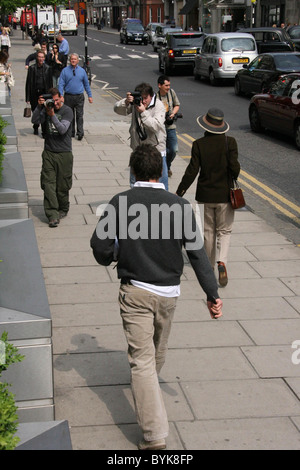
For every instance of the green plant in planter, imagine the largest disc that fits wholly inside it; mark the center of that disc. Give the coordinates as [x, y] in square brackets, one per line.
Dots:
[3, 139]
[8, 416]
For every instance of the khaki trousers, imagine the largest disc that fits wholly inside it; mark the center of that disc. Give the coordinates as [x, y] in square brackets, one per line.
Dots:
[218, 222]
[147, 320]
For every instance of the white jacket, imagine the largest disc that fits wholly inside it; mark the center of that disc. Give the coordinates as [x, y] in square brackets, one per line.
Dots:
[152, 121]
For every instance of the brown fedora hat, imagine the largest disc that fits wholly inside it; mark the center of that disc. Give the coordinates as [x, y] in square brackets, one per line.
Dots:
[213, 121]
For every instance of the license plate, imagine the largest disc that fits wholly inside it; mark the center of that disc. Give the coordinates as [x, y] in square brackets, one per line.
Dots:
[189, 51]
[244, 60]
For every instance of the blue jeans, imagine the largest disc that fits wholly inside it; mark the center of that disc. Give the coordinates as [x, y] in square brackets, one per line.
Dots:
[172, 146]
[163, 179]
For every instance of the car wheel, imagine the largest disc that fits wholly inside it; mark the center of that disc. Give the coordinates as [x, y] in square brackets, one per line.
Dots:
[213, 80]
[237, 87]
[254, 119]
[297, 135]
[145, 43]
[121, 40]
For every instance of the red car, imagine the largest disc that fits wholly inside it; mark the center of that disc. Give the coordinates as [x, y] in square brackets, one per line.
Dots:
[279, 109]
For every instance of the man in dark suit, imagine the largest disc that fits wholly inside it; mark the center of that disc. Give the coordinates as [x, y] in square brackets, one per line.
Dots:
[38, 82]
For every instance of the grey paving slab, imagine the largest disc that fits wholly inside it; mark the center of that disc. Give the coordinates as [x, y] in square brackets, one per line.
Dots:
[295, 302]
[241, 399]
[206, 364]
[272, 361]
[292, 283]
[271, 332]
[276, 268]
[115, 405]
[207, 334]
[91, 314]
[275, 252]
[240, 434]
[112, 437]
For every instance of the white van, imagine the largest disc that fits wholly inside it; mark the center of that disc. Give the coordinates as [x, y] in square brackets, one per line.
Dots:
[68, 22]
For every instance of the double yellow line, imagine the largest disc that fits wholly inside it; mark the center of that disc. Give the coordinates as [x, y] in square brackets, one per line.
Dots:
[188, 140]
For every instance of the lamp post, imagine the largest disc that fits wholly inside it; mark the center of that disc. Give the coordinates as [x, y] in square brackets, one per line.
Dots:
[85, 33]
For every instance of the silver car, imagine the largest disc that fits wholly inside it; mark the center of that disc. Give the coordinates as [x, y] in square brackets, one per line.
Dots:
[223, 54]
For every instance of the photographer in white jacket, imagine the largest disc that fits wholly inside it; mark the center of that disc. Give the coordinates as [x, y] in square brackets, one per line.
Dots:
[147, 122]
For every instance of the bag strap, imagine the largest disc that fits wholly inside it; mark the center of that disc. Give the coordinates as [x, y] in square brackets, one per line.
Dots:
[232, 181]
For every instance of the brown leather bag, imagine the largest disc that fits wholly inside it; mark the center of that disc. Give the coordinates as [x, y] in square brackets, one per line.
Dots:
[27, 112]
[236, 196]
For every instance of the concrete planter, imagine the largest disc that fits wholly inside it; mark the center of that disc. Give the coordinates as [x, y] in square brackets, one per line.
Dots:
[25, 315]
[51, 435]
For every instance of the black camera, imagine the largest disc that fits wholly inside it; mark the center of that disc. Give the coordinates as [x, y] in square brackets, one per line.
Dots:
[169, 121]
[49, 102]
[137, 98]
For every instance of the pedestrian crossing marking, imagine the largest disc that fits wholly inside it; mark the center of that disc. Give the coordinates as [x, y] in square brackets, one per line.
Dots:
[118, 57]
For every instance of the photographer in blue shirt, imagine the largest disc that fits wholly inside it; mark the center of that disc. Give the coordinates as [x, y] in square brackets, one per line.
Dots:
[73, 81]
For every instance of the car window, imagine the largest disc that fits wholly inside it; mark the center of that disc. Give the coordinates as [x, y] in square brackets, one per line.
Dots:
[295, 33]
[255, 63]
[206, 44]
[271, 37]
[135, 27]
[237, 44]
[266, 63]
[186, 40]
[286, 86]
[288, 62]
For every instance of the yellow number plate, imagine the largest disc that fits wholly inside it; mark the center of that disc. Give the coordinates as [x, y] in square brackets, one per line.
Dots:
[240, 61]
[189, 51]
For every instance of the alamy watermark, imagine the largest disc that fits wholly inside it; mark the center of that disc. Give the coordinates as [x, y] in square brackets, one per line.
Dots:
[296, 354]
[155, 222]
[296, 93]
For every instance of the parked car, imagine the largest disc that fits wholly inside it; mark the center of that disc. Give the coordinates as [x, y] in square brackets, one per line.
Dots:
[278, 110]
[179, 50]
[150, 30]
[49, 30]
[160, 34]
[294, 33]
[269, 39]
[264, 70]
[133, 31]
[223, 54]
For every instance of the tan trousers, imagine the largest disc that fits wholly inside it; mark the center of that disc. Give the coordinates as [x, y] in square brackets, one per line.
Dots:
[218, 222]
[147, 320]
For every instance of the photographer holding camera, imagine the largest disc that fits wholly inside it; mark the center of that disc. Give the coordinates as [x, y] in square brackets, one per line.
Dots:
[57, 157]
[172, 104]
[147, 122]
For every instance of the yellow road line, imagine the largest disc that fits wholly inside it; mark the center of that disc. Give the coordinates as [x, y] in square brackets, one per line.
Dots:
[266, 188]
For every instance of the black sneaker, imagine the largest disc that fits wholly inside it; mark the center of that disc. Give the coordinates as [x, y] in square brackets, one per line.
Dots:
[53, 223]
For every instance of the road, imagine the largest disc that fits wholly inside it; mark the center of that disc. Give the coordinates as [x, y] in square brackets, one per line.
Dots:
[270, 163]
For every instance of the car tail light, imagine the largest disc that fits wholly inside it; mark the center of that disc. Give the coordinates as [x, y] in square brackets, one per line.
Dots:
[171, 53]
[220, 63]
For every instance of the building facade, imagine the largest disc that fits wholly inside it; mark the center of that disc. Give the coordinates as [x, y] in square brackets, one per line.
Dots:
[211, 15]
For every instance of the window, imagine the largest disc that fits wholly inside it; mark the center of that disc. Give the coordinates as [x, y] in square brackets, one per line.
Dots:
[159, 15]
[238, 44]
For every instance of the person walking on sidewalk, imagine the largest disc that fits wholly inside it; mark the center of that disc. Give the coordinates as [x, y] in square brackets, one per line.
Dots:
[150, 267]
[38, 81]
[57, 157]
[147, 122]
[172, 105]
[214, 157]
[73, 81]
[64, 47]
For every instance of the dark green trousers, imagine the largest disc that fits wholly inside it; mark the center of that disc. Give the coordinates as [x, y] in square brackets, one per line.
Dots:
[56, 181]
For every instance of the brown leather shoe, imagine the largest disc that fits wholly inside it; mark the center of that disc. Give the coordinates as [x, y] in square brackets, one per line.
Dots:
[152, 445]
[223, 278]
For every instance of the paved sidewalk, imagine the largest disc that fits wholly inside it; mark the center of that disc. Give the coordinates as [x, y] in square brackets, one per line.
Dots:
[227, 384]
